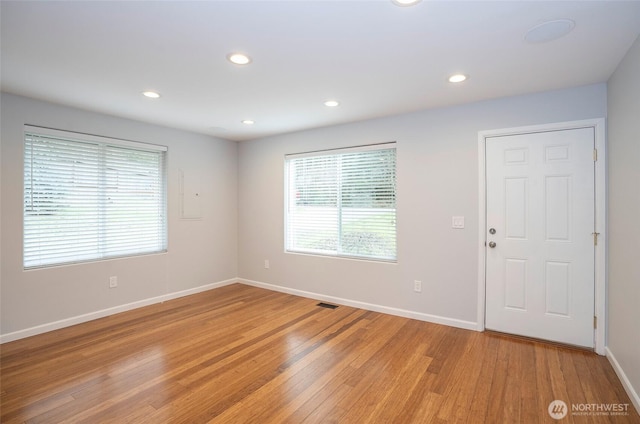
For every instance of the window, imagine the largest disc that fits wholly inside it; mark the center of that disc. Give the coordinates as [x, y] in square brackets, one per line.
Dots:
[88, 198]
[342, 202]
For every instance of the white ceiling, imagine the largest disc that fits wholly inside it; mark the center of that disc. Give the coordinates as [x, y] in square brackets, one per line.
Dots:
[376, 58]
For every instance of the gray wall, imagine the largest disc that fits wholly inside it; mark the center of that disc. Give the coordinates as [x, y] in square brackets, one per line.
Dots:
[624, 215]
[437, 158]
[200, 252]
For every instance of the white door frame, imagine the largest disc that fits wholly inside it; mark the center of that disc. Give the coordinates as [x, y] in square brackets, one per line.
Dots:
[600, 307]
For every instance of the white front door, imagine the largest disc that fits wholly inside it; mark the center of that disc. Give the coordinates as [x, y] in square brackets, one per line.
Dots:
[540, 244]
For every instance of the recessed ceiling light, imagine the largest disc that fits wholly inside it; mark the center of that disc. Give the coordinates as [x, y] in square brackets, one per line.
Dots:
[457, 78]
[151, 94]
[331, 103]
[549, 31]
[405, 2]
[239, 58]
[248, 121]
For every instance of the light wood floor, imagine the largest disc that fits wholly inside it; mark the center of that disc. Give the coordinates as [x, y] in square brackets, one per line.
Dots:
[239, 354]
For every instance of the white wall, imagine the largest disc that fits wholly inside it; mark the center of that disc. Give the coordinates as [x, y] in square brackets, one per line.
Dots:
[200, 252]
[437, 161]
[624, 214]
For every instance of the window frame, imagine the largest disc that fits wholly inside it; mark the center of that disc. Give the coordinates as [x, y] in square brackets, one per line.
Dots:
[100, 168]
[339, 152]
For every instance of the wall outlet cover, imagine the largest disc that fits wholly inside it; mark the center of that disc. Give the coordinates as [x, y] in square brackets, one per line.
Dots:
[417, 286]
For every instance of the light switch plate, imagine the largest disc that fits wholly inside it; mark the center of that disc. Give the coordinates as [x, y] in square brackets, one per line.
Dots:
[457, 222]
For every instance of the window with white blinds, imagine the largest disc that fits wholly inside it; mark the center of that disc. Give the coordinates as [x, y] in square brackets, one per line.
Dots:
[342, 202]
[89, 198]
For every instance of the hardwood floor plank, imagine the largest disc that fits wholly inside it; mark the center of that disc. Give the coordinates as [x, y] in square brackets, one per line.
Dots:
[496, 407]
[228, 387]
[381, 368]
[240, 354]
[298, 380]
[325, 412]
[544, 390]
[487, 356]
[321, 400]
[461, 389]
[531, 407]
[572, 381]
[396, 390]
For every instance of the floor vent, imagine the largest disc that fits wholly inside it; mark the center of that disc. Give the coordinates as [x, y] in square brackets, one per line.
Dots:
[327, 305]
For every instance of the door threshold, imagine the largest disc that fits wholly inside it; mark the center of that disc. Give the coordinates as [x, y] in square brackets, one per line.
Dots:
[539, 341]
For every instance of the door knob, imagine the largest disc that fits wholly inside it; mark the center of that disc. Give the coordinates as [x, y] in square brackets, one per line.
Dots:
[492, 244]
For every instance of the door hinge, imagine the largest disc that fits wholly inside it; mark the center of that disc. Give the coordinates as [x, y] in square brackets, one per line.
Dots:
[595, 238]
[595, 321]
[595, 155]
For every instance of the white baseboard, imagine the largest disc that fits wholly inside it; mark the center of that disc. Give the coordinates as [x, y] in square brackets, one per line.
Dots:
[67, 322]
[452, 322]
[635, 398]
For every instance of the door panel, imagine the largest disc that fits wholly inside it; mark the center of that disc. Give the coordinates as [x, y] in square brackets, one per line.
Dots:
[540, 201]
[515, 197]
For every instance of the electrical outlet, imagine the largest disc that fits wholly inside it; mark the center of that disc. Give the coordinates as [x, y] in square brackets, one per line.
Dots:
[266, 264]
[113, 282]
[417, 286]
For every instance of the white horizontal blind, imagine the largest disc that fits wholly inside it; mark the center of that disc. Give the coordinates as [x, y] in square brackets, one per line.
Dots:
[86, 199]
[342, 203]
